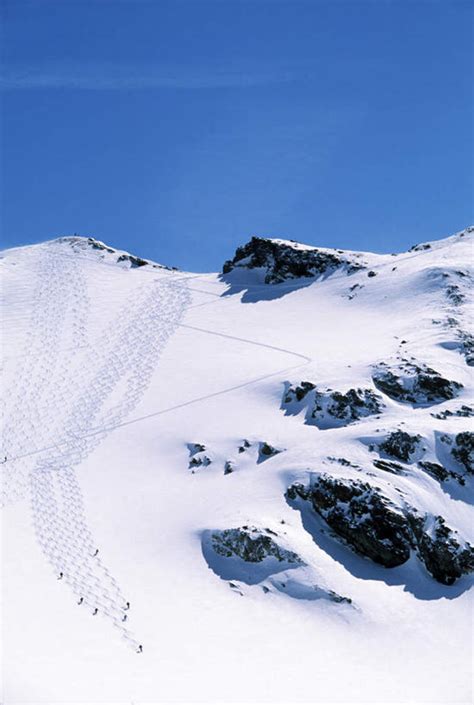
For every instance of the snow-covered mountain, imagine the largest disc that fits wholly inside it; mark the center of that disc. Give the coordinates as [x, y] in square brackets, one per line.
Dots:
[253, 486]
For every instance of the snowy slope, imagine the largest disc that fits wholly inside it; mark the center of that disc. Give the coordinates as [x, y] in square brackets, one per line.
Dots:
[143, 408]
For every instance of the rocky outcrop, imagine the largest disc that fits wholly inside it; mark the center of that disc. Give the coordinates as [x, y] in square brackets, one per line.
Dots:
[463, 450]
[346, 407]
[251, 544]
[367, 520]
[377, 528]
[389, 466]
[229, 467]
[439, 547]
[331, 409]
[440, 473]
[79, 243]
[244, 446]
[134, 261]
[463, 411]
[197, 456]
[413, 383]
[298, 392]
[284, 259]
[265, 451]
[401, 445]
[466, 346]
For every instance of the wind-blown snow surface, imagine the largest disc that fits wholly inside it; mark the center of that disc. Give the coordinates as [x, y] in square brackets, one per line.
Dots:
[111, 371]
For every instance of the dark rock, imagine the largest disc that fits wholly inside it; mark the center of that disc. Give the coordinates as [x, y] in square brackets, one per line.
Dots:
[228, 467]
[401, 445]
[202, 461]
[298, 393]
[414, 383]
[463, 450]
[466, 346]
[440, 473]
[371, 273]
[250, 544]
[463, 411]
[134, 261]
[96, 245]
[266, 451]
[330, 409]
[345, 408]
[455, 295]
[244, 446]
[343, 461]
[283, 260]
[380, 530]
[334, 597]
[441, 551]
[419, 248]
[367, 520]
[195, 448]
[388, 466]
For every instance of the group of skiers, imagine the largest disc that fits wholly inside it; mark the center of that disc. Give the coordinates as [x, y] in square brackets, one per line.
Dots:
[96, 610]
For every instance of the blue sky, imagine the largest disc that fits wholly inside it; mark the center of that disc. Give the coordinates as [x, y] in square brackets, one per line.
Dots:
[178, 129]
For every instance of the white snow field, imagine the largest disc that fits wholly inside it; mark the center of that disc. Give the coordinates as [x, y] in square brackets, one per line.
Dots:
[147, 411]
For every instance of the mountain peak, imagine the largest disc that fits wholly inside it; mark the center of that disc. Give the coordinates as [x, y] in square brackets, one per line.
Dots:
[89, 245]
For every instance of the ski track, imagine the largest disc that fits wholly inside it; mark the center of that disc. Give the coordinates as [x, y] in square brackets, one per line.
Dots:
[56, 399]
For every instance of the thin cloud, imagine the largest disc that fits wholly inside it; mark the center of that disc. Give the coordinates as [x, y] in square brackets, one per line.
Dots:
[126, 78]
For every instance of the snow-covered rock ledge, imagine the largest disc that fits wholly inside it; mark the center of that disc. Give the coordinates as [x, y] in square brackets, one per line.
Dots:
[285, 259]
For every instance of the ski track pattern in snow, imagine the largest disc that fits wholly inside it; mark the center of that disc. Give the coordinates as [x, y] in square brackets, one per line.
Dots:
[56, 400]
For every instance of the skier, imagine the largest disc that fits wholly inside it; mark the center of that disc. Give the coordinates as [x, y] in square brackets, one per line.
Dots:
[81, 601]
[124, 618]
[60, 576]
[140, 649]
[95, 612]
[127, 606]
[96, 553]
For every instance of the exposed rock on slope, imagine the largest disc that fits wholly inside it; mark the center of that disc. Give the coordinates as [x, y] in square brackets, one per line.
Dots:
[413, 383]
[284, 259]
[361, 515]
[440, 549]
[461, 448]
[251, 544]
[377, 528]
[331, 409]
[463, 411]
[440, 473]
[401, 445]
[110, 254]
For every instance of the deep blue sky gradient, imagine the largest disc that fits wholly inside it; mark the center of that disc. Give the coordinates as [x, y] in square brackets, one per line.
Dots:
[178, 129]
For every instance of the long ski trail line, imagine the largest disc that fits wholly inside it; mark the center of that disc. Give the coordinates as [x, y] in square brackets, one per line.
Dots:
[99, 431]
